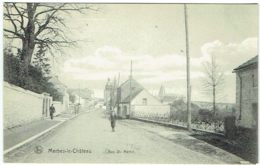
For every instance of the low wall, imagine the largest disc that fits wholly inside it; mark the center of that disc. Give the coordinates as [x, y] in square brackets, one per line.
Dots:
[160, 109]
[20, 106]
[58, 107]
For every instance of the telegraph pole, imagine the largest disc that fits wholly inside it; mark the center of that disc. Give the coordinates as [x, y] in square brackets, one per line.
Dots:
[188, 70]
[118, 82]
[79, 93]
[79, 98]
[130, 94]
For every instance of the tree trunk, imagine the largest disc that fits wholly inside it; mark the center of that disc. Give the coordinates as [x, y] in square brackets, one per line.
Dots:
[27, 52]
[29, 32]
[214, 107]
[214, 101]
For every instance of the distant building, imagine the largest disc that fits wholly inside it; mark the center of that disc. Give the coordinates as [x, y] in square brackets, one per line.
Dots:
[83, 97]
[167, 98]
[247, 93]
[161, 93]
[107, 92]
[62, 89]
[141, 100]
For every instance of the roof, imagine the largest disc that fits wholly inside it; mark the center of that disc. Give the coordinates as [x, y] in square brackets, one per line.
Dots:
[84, 93]
[55, 80]
[125, 89]
[248, 63]
[58, 84]
[126, 100]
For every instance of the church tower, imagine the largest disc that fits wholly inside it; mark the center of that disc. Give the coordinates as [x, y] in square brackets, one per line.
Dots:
[161, 93]
[107, 92]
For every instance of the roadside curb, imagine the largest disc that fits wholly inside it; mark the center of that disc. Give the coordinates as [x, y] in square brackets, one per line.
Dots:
[31, 138]
[40, 134]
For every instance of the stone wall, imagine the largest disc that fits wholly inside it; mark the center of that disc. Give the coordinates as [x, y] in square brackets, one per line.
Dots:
[160, 109]
[20, 106]
[249, 97]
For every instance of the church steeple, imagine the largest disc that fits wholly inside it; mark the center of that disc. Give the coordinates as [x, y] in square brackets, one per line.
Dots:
[161, 93]
[108, 85]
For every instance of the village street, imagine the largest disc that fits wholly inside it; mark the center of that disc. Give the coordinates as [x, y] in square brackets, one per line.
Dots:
[88, 139]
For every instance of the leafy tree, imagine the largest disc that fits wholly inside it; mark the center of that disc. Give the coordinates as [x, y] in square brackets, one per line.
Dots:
[72, 97]
[41, 61]
[30, 78]
[14, 70]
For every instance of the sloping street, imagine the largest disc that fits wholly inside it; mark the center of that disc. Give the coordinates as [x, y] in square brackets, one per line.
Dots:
[88, 139]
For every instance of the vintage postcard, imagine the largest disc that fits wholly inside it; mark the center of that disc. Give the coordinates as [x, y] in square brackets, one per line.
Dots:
[130, 83]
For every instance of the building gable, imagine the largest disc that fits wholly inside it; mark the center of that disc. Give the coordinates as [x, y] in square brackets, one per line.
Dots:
[145, 96]
[124, 89]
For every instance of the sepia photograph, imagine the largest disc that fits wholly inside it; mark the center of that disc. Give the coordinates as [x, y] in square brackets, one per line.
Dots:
[130, 83]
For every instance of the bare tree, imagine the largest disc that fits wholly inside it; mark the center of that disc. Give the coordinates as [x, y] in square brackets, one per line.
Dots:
[214, 80]
[40, 23]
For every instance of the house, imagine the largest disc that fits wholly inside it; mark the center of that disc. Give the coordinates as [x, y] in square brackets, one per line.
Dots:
[98, 103]
[62, 89]
[83, 98]
[141, 100]
[247, 94]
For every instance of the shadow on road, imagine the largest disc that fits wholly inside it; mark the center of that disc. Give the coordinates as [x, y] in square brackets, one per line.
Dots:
[246, 150]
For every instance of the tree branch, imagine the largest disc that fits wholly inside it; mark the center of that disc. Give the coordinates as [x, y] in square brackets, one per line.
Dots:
[15, 33]
[21, 16]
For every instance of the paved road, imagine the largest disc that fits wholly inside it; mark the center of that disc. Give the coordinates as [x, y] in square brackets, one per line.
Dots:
[88, 139]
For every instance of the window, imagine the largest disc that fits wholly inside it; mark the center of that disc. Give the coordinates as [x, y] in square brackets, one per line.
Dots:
[144, 101]
[253, 78]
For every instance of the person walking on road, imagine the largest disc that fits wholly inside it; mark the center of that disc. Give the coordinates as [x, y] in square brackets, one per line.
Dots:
[113, 120]
[52, 111]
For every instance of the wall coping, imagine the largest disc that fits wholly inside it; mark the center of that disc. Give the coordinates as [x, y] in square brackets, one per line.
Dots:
[22, 90]
[56, 102]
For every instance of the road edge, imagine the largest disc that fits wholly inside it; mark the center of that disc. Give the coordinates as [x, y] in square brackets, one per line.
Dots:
[40, 134]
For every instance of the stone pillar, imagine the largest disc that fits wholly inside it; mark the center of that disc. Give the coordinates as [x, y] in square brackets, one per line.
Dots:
[43, 106]
[46, 103]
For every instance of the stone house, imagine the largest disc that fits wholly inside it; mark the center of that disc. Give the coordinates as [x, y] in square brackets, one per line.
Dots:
[247, 94]
[141, 100]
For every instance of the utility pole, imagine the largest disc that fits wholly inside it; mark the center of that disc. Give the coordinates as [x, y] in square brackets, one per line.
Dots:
[130, 94]
[118, 79]
[79, 97]
[79, 93]
[188, 70]
[111, 98]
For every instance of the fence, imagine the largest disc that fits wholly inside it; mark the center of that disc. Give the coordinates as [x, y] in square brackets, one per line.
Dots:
[198, 122]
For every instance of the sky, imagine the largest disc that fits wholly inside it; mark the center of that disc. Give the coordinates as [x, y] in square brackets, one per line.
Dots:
[153, 37]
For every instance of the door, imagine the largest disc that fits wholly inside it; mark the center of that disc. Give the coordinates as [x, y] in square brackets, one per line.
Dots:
[124, 112]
